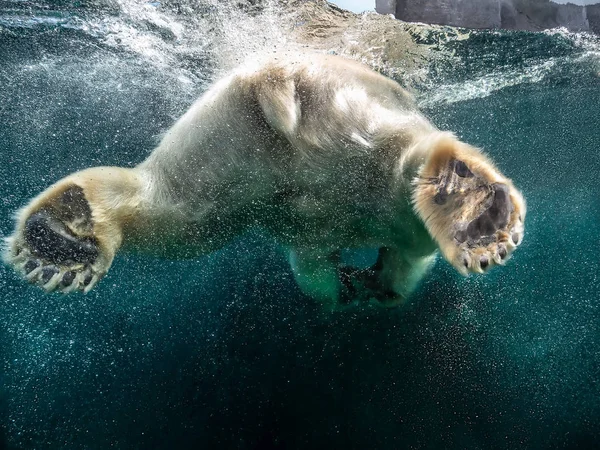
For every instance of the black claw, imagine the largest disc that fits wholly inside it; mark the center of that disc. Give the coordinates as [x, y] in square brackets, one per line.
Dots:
[68, 278]
[466, 263]
[47, 273]
[515, 238]
[502, 252]
[484, 262]
[31, 265]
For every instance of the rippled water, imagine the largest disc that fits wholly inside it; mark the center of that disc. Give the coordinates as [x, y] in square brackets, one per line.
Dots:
[224, 350]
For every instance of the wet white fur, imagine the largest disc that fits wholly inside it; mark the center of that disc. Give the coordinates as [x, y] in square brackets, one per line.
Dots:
[319, 150]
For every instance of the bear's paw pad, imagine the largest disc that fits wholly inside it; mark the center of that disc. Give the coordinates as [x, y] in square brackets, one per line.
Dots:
[55, 248]
[491, 237]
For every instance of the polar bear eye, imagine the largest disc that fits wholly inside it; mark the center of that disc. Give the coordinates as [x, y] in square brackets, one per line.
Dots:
[461, 169]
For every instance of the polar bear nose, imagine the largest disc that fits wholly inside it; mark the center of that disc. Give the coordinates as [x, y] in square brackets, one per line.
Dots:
[495, 217]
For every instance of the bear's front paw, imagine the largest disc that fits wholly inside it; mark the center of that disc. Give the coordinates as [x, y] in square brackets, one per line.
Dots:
[474, 213]
[54, 246]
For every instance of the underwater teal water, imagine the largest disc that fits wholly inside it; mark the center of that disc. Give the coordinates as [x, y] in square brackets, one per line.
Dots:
[224, 351]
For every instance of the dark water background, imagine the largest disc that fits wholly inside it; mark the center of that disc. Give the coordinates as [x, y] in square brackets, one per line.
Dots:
[224, 351]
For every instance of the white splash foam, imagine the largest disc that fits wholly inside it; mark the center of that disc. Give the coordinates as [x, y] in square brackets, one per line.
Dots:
[486, 85]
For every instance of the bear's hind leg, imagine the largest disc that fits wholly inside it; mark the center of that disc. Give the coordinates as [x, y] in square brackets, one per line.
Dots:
[316, 273]
[390, 280]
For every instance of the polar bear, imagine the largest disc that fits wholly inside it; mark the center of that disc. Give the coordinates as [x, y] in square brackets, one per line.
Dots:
[322, 152]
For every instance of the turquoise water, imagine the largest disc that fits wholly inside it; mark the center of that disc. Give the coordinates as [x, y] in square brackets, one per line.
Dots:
[224, 351]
